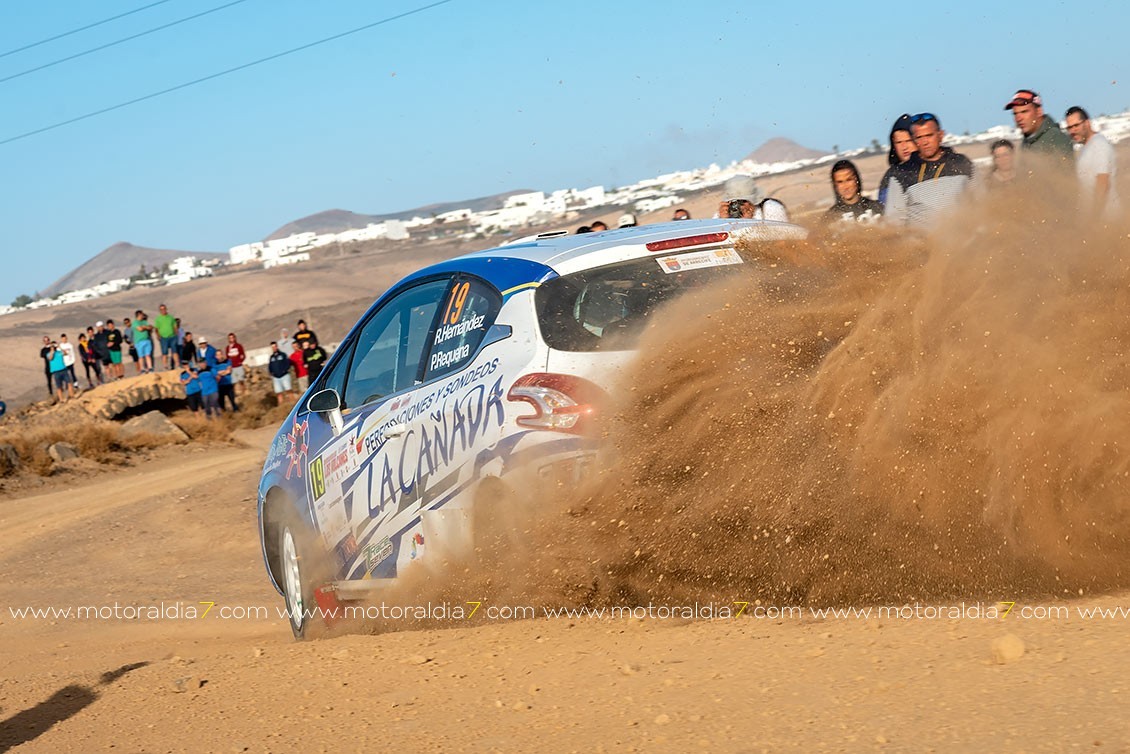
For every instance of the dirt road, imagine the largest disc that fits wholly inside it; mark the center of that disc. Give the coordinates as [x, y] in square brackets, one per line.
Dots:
[179, 533]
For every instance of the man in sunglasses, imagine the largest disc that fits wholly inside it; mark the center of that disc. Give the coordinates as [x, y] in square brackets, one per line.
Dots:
[1042, 134]
[931, 182]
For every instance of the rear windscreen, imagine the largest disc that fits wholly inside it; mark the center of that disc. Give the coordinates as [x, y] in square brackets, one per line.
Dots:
[606, 308]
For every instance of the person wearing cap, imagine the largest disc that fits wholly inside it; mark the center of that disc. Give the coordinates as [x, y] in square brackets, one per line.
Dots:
[850, 206]
[1042, 135]
[205, 354]
[627, 220]
[1095, 166]
[932, 181]
[902, 147]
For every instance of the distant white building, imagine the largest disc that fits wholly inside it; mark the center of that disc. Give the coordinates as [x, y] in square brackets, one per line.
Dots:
[288, 259]
[183, 269]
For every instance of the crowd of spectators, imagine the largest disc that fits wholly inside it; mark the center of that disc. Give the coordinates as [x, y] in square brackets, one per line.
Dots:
[925, 180]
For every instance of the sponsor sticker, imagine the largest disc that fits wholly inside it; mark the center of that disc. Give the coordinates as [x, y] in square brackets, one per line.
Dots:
[377, 553]
[696, 260]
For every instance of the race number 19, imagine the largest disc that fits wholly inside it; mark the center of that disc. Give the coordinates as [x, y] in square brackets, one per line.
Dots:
[317, 478]
[456, 303]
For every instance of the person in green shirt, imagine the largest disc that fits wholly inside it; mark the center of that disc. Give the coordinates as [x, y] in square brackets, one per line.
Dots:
[1043, 138]
[166, 325]
[143, 341]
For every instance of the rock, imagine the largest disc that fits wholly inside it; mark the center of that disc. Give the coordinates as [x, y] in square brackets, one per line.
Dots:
[1007, 648]
[9, 460]
[153, 423]
[62, 451]
[187, 683]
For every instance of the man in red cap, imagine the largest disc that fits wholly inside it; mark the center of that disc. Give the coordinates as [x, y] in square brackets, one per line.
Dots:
[1042, 135]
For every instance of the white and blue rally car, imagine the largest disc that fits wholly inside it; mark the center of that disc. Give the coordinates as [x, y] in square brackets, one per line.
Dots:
[464, 372]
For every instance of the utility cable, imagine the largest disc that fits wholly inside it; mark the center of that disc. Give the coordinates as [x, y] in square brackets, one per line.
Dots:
[123, 40]
[201, 80]
[81, 28]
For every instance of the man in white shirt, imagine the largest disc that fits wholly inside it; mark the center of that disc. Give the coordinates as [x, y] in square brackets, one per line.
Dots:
[1095, 165]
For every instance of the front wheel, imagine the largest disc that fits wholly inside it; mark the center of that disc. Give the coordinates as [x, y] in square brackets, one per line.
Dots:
[297, 564]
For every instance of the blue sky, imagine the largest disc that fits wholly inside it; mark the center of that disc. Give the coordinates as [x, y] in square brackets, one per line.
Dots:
[475, 97]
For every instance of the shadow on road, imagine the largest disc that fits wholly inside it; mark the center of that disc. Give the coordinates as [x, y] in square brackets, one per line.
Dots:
[64, 703]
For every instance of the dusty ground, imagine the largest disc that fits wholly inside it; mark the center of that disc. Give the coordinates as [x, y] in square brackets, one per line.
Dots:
[181, 531]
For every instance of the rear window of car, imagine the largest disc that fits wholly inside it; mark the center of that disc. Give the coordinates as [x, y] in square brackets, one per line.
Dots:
[607, 308]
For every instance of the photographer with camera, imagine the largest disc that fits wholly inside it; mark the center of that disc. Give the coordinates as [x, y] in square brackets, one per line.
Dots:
[746, 201]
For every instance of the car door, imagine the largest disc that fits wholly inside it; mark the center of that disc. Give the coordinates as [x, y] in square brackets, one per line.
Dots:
[362, 477]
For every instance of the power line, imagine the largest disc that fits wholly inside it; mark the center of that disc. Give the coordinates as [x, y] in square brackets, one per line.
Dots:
[201, 80]
[120, 41]
[81, 28]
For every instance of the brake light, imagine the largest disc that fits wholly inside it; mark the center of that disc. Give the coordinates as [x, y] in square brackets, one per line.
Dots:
[679, 243]
[561, 402]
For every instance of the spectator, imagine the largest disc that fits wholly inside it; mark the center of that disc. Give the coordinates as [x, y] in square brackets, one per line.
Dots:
[143, 341]
[296, 358]
[180, 336]
[127, 336]
[166, 327]
[285, 342]
[191, 385]
[188, 350]
[742, 195]
[224, 381]
[90, 362]
[583, 229]
[1042, 135]
[45, 353]
[932, 181]
[205, 354]
[681, 214]
[304, 334]
[279, 366]
[850, 206]
[1096, 167]
[1003, 172]
[627, 220]
[902, 147]
[209, 390]
[114, 346]
[69, 355]
[236, 356]
[599, 226]
[100, 348]
[314, 358]
[59, 373]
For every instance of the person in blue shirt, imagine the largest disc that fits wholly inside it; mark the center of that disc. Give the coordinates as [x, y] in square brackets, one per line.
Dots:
[209, 391]
[226, 385]
[191, 389]
[59, 373]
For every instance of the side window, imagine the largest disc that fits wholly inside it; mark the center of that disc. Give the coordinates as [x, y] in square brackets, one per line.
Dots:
[468, 311]
[392, 343]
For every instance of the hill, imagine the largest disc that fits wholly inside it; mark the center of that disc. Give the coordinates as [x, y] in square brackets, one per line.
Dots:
[780, 149]
[119, 261]
[337, 220]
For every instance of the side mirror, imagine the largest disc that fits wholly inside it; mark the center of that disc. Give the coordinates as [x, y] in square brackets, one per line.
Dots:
[328, 402]
[324, 400]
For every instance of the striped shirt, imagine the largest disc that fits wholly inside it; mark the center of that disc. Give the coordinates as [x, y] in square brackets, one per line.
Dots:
[921, 191]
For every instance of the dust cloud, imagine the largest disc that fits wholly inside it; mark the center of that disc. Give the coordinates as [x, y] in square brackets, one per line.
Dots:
[859, 418]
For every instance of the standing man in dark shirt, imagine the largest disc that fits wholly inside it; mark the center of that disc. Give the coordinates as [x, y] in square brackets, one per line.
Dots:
[304, 334]
[46, 353]
[314, 357]
[851, 205]
[114, 346]
[930, 183]
[1043, 137]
